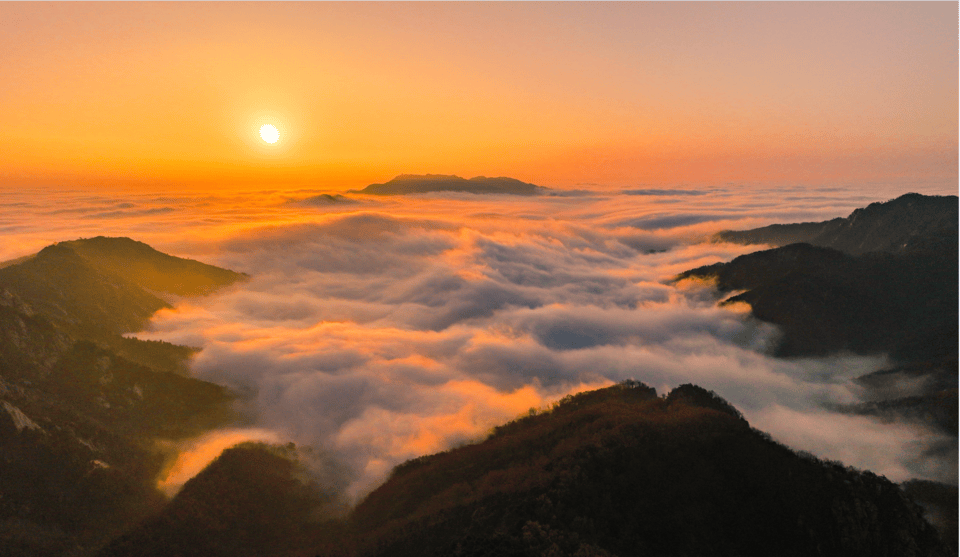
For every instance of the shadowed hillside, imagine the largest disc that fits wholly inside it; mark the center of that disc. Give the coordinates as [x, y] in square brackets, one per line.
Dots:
[909, 222]
[253, 500]
[825, 300]
[881, 281]
[613, 472]
[900, 299]
[81, 406]
[102, 286]
[78, 297]
[77, 424]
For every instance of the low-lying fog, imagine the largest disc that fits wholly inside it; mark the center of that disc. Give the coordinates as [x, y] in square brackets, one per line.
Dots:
[387, 328]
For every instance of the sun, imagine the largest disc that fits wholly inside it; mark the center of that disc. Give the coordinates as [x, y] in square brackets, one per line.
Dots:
[269, 133]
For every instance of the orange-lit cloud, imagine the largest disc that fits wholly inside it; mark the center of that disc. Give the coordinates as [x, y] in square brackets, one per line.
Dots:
[195, 455]
[386, 328]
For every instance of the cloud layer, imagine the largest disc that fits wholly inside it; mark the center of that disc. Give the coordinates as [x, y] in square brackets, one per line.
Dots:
[381, 330]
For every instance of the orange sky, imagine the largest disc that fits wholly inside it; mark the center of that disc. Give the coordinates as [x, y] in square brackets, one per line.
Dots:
[145, 95]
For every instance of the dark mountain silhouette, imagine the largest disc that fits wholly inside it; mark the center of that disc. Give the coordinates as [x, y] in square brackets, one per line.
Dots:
[253, 500]
[623, 472]
[825, 300]
[892, 289]
[613, 472]
[406, 184]
[940, 505]
[909, 222]
[900, 299]
[81, 406]
[104, 286]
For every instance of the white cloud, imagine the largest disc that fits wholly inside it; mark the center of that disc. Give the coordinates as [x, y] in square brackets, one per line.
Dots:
[381, 332]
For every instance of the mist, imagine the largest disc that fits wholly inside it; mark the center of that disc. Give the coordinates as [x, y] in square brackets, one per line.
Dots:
[383, 329]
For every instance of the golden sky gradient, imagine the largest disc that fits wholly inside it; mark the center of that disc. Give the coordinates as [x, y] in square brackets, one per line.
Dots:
[135, 95]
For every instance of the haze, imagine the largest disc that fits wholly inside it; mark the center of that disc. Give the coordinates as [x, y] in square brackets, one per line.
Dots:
[388, 328]
[154, 95]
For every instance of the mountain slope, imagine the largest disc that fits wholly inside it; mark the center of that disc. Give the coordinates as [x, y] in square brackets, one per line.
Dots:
[909, 222]
[623, 472]
[612, 472]
[891, 290]
[102, 286]
[83, 300]
[825, 300]
[253, 500]
[80, 406]
[150, 269]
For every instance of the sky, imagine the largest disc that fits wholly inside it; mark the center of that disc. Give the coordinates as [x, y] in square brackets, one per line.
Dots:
[140, 96]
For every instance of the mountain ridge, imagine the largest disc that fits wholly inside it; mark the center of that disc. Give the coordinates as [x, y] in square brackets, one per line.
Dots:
[909, 222]
[612, 472]
[407, 184]
[900, 299]
[82, 406]
[101, 286]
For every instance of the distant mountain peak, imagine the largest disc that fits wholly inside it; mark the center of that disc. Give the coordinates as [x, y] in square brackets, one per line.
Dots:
[406, 184]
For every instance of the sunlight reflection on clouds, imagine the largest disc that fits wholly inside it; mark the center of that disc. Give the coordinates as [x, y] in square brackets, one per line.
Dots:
[388, 328]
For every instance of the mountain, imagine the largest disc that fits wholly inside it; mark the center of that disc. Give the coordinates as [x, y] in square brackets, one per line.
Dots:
[140, 264]
[81, 407]
[78, 425]
[899, 298]
[881, 281]
[253, 500]
[326, 199]
[909, 222]
[825, 300]
[407, 184]
[106, 286]
[76, 296]
[613, 472]
[623, 472]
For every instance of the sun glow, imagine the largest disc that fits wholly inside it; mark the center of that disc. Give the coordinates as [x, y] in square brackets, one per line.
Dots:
[269, 133]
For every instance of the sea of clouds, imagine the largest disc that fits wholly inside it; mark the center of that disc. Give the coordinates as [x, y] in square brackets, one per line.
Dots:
[381, 329]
